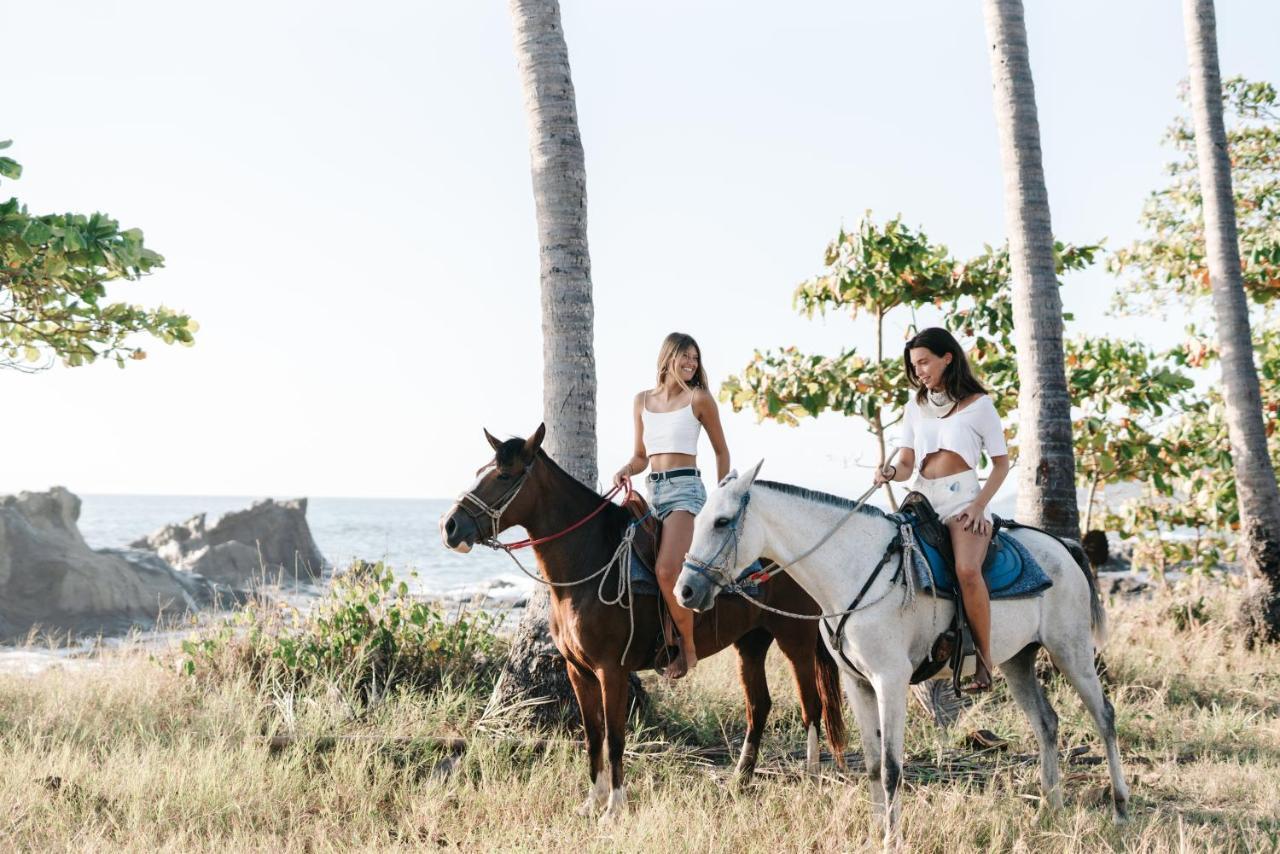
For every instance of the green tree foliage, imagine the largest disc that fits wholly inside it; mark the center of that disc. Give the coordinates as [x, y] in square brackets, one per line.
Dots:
[1123, 388]
[53, 274]
[1166, 269]
[1171, 258]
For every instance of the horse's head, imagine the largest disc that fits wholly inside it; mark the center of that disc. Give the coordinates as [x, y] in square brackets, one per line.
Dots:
[497, 500]
[725, 542]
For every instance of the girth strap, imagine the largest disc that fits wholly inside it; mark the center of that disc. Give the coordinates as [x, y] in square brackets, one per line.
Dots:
[836, 636]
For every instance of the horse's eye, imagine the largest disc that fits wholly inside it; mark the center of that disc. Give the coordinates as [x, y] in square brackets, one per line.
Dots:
[722, 522]
[504, 477]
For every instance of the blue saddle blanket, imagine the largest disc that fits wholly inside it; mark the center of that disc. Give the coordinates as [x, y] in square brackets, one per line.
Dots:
[1013, 574]
[645, 583]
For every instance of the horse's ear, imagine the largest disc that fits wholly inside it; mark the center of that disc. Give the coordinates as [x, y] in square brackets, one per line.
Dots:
[534, 442]
[494, 443]
[750, 477]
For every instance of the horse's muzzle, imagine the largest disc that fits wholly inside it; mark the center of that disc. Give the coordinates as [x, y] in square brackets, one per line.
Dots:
[458, 531]
[694, 591]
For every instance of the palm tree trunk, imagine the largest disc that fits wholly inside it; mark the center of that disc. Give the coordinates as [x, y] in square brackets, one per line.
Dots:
[1256, 490]
[535, 671]
[560, 196]
[1046, 466]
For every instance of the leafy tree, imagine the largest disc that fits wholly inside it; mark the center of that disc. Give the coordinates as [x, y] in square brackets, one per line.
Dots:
[1172, 259]
[54, 269]
[1124, 391]
[1122, 388]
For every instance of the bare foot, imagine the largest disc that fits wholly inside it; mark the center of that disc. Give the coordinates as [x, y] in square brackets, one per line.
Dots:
[680, 668]
[981, 679]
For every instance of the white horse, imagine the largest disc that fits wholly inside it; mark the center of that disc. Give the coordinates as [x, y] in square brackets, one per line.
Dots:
[892, 628]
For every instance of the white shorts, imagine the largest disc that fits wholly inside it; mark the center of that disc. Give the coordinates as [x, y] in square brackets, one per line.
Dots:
[951, 494]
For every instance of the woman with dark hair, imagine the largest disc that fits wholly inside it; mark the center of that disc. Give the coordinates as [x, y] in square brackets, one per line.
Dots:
[949, 422]
[668, 419]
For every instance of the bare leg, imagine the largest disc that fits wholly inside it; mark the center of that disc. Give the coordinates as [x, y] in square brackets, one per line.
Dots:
[677, 534]
[970, 549]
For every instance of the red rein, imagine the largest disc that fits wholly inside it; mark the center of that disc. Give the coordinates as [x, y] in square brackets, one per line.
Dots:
[520, 544]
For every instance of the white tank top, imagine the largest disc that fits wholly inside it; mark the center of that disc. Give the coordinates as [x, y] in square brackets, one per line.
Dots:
[674, 432]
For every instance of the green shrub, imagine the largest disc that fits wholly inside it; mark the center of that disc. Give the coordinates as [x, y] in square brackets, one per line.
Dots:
[366, 633]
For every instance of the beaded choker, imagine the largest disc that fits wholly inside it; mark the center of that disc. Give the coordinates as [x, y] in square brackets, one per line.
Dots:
[937, 404]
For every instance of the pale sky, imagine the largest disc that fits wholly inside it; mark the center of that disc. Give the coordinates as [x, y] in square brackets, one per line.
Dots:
[344, 204]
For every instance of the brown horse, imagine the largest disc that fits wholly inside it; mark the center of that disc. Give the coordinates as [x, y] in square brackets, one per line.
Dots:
[523, 486]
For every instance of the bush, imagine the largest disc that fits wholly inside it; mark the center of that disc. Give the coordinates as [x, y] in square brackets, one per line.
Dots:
[367, 633]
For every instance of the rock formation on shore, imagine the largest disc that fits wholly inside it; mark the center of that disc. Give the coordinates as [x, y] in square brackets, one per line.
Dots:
[270, 541]
[49, 577]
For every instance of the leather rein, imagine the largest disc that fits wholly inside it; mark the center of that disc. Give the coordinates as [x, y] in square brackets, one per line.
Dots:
[621, 596]
[495, 510]
[717, 572]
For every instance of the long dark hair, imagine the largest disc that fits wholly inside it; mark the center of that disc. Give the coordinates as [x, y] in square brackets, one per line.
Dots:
[958, 378]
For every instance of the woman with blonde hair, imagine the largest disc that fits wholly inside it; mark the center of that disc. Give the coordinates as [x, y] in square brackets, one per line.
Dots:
[950, 420]
[668, 419]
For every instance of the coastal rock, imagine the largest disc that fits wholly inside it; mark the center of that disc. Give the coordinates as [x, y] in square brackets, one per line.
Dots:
[1123, 585]
[271, 540]
[49, 577]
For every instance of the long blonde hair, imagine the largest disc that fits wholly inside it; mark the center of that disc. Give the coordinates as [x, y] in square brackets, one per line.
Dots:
[672, 346]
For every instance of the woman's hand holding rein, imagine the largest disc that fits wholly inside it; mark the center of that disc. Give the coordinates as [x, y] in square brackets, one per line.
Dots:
[622, 476]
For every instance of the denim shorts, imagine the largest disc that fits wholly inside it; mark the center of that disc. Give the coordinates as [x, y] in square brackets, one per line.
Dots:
[677, 493]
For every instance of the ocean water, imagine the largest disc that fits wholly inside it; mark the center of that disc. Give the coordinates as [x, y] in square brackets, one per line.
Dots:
[401, 532]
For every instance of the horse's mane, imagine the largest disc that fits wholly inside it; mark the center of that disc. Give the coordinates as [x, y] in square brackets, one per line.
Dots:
[820, 497]
[512, 449]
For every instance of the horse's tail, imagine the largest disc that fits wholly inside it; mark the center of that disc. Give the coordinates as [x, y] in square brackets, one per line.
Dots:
[832, 697]
[1097, 613]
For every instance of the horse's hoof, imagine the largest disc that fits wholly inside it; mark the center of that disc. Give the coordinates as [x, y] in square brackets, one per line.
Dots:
[1120, 815]
[587, 808]
[616, 809]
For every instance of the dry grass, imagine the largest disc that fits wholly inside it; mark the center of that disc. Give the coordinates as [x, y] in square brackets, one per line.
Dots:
[133, 755]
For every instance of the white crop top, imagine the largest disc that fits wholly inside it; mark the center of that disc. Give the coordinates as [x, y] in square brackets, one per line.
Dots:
[967, 432]
[674, 432]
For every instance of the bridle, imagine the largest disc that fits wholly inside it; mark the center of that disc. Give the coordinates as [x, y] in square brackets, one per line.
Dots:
[495, 510]
[714, 569]
[717, 571]
[622, 555]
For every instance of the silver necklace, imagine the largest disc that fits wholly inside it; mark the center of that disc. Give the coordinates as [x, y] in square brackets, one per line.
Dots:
[938, 403]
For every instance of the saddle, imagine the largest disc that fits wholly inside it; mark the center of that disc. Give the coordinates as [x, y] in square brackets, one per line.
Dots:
[648, 529]
[954, 646]
[930, 528]
[644, 547]
[1008, 570]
